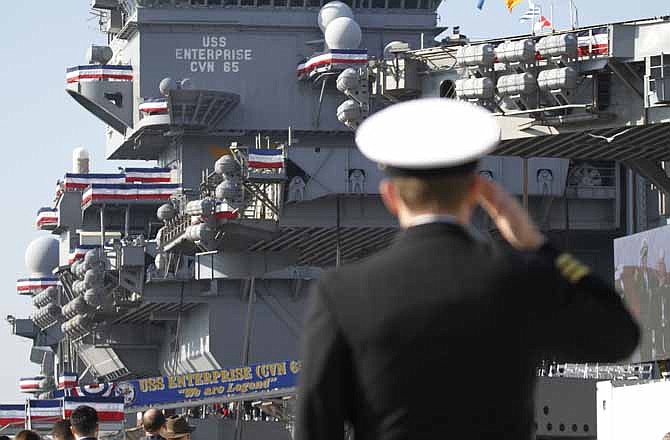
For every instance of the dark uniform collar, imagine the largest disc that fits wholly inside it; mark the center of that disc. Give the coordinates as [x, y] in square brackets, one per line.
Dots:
[429, 225]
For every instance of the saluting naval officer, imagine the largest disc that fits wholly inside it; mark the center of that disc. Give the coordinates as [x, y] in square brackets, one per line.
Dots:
[439, 336]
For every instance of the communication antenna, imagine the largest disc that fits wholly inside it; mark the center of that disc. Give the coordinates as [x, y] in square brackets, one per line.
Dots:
[100, 16]
[574, 15]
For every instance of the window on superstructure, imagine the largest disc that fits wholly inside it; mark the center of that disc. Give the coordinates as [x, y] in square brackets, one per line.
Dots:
[394, 4]
[264, 2]
[247, 2]
[377, 4]
[198, 2]
[411, 4]
[215, 2]
[447, 89]
[281, 3]
[313, 3]
[350, 3]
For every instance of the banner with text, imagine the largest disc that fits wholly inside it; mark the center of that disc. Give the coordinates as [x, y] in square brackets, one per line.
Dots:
[224, 383]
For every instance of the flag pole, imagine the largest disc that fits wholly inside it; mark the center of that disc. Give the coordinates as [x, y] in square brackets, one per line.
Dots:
[531, 7]
[537, 14]
[572, 14]
[551, 6]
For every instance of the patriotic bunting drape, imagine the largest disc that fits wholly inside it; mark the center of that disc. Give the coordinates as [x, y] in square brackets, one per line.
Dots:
[154, 106]
[148, 175]
[269, 158]
[31, 384]
[12, 414]
[146, 192]
[47, 219]
[98, 72]
[82, 181]
[33, 285]
[80, 252]
[68, 380]
[334, 58]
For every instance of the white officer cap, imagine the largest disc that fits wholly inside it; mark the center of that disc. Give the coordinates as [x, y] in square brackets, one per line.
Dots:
[429, 136]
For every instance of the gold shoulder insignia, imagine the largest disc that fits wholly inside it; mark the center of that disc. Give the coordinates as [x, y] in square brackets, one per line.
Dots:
[571, 268]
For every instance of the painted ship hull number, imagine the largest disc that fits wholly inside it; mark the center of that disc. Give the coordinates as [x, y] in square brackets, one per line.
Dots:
[214, 56]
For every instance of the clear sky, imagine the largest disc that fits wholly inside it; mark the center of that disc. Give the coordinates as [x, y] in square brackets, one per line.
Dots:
[41, 124]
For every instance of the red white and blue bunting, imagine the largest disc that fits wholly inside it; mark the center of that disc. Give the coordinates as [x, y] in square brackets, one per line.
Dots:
[92, 390]
[125, 192]
[68, 380]
[79, 182]
[593, 42]
[269, 158]
[99, 72]
[44, 413]
[80, 251]
[154, 106]
[110, 409]
[32, 384]
[12, 415]
[148, 175]
[225, 212]
[31, 286]
[47, 219]
[334, 59]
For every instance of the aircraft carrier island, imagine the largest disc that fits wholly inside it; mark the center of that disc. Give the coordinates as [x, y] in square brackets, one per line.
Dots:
[180, 283]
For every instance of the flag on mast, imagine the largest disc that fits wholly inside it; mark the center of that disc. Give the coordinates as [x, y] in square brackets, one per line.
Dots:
[530, 15]
[512, 3]
[541, 23]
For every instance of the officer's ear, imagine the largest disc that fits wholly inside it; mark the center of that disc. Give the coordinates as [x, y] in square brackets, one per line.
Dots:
[390, 197]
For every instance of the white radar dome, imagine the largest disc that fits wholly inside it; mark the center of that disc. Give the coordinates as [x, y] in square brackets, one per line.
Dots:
[166, 85]
[186, 84]
[80, 153]
[42, 256]
[332, 10]
[81, 160]
[343, 33]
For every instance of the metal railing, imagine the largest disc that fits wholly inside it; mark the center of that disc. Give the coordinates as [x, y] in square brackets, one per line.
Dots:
[599, 371]
[131, 5]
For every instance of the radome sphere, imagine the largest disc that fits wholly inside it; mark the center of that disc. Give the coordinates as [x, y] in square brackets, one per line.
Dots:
[42, 256]
[332, 10]
[343, 33]
[166, 85]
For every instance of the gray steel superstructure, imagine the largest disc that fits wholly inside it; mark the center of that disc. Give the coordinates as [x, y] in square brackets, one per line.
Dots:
[210, 267]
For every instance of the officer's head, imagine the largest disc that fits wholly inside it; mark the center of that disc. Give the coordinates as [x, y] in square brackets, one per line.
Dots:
[452, 193]
[429, 150]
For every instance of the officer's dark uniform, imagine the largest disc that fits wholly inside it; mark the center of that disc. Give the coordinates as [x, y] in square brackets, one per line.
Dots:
[437, 337]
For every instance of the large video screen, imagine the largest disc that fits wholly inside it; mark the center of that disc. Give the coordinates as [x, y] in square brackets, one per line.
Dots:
[641, 274]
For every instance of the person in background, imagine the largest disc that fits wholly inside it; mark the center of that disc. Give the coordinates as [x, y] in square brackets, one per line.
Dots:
[153, 422]
[84, 423]
[27, 434]
[177, 427]
[61, 430]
